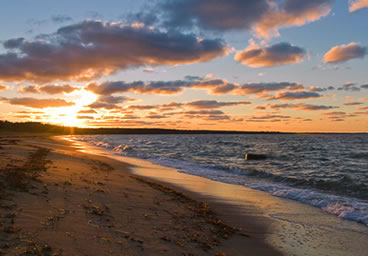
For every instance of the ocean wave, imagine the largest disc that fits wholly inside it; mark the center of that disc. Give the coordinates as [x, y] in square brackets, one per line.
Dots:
[286, 175]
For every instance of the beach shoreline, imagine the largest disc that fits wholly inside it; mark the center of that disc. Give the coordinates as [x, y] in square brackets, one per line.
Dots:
[291, 227]
[66, 202]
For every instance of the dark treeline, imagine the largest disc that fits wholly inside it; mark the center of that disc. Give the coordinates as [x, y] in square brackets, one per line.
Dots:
[36, 127]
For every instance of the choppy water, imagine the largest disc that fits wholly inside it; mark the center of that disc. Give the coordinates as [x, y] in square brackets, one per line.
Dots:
[329, 171]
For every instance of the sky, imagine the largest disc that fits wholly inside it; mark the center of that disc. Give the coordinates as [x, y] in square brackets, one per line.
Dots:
[244, 65]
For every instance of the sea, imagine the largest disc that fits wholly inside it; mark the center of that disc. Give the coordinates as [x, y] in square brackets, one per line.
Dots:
[328, 171]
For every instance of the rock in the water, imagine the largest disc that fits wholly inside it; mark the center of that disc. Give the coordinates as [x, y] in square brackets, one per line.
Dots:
[255, 156]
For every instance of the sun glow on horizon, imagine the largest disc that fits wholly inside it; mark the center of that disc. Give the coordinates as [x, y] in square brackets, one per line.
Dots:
[68, 116]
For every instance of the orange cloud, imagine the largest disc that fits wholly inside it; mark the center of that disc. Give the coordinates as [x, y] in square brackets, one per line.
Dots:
[3, 87]
[293, 13]
[270, 56]
[91, 49]
[49, 89]
[357, 4]
[57, 89]
[38, 103]
[345, 52]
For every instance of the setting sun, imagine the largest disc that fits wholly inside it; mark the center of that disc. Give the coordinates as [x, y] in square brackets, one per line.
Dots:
[68, 116]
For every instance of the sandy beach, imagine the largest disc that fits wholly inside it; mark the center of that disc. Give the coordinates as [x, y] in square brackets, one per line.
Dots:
[56, 200]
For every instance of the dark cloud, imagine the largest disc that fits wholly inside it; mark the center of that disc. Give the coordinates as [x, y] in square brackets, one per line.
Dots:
[13, 43]
[268, 118]
[86, 117]
[300, 95]
[353, 103]
[259, 108]
[302, 106]
[349, 87]
[270, 56]
[60, 18]
[214, 14]
[345, 52]
[38, 103]
[264, 17]
[335, 113]
[256, 88]
[155, 116]
[364, 86]
[319, 89]
[213, 104]
[109, 102]
[214, 86]
[91, 49]
[208, 115]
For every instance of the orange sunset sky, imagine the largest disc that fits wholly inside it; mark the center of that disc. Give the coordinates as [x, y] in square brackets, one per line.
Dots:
[255, 65]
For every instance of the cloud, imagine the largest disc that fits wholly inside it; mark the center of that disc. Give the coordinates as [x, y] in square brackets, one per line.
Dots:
[218, 15]
[291, 13]
[38, 103]
[86, 117]
[353, 103]
[335, 113]
[357, 4]
[268, 118]
[364, 86]
[57, 89]
[49, 89]
[302, 106]
[213, 104]
[91, 49]
[270, 56]
[208, 115]
[349, 87]
[345, 52]
[264, 17]
[3, 87]
[259, 108]
[29, 89]
[214, 86]
[148, 70]
[109, 102]
[87, 111]
[154, 87]
[319, 89]
[60, 18]
[258, 88]
[300, 95]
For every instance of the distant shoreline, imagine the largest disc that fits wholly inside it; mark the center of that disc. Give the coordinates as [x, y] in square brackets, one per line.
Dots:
[36, 127]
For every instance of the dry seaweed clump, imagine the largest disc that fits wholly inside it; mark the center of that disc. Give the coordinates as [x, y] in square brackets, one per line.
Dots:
[201, 226]
[18, 178]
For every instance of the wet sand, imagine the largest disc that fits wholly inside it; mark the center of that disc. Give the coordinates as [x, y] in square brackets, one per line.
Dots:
[288, 226]
[57, 200]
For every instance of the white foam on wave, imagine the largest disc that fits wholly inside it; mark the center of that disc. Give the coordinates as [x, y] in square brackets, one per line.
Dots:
[343, 207]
